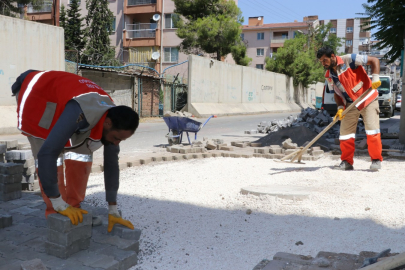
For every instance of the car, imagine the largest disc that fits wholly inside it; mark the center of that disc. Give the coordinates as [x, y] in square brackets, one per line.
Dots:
[398, 103]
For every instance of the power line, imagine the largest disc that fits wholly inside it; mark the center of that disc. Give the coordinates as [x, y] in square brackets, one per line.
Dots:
[288, 12]
[288, 9]
[251, 4]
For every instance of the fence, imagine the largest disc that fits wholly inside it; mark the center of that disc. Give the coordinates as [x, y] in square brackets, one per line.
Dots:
[140, 2]
[141, 30]
[71, 61]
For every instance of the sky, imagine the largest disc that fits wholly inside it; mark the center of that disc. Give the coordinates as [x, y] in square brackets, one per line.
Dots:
[278, 11]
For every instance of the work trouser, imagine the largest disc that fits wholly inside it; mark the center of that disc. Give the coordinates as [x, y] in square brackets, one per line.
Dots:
[372, 125]
[73, 175]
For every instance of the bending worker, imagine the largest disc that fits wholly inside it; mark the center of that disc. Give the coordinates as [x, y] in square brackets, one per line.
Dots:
[66, 118]
[348, 79]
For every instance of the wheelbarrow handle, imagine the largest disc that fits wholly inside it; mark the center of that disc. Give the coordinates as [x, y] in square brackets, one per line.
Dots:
[206, 121]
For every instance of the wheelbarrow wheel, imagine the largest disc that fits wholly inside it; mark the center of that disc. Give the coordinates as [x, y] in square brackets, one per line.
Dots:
[174, 140]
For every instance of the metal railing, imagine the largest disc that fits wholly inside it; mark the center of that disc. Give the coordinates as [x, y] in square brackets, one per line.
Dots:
[140, 2]
[141, 30]
[278, 40]
[46, 7]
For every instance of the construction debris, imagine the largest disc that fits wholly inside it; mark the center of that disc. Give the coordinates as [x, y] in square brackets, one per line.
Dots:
[177, 113]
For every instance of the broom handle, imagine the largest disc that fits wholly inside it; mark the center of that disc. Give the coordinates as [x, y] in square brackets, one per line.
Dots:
[299, 155]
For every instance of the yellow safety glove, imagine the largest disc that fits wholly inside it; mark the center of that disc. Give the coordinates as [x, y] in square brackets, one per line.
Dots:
[375, 82]
[74, 214]
[115, 218]
[339, 113]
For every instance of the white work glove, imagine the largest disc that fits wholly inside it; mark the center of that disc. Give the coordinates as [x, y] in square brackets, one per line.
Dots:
[114, 217]
[74, 214]
[375, 81]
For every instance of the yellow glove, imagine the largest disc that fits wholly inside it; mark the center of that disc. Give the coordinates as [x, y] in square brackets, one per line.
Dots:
[375, 82]
[115, 218]
[339, 113]
[74, 214]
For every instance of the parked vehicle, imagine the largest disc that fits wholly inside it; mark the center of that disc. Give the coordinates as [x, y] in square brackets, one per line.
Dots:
[398, 104]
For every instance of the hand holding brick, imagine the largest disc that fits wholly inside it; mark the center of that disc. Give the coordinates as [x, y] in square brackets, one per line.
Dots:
[112, 220]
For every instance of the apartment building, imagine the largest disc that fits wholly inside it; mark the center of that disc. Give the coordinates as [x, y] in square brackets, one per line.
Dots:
[263, 40]
[355, 39]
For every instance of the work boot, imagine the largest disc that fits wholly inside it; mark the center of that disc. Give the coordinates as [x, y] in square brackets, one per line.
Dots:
[375, 165]
[344, 166]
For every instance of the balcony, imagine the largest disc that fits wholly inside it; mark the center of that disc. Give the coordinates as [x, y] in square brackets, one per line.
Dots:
[39, 12]
[277, 42]
[133, 7]
[141, 35]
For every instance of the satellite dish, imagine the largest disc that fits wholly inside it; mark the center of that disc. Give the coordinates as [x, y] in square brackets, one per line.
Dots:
[156, 17]
[260, 18]
[155, 55]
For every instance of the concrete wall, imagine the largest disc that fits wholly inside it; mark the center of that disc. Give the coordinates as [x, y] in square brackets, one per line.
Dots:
[225, 89]
[25, 45]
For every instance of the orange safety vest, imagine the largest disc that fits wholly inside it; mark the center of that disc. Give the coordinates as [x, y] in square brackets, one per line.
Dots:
[44, 95]
[354, 80]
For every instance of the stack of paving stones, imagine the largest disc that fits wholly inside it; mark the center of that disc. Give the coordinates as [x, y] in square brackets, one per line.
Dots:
[10, 181]
[3, 150]
[29, 177]
[323, 260]
[24, 243]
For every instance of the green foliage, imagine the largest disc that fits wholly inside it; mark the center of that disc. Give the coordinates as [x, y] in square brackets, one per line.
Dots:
[295, 59]
[98, 50]
[212, 26]
[74, 33]
[387, 17]
[12, 8]
[239, 54]
[62, 17]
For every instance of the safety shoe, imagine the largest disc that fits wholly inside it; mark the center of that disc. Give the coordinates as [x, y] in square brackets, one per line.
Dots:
[375, 165]
[344, 166]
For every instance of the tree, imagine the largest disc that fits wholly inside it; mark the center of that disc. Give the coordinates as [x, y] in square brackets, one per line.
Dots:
[99, 20]
[295, 59]
[213, 26]
[62, 17]
[387, 17]
[74, 33]
[13, 7]
[239, 54]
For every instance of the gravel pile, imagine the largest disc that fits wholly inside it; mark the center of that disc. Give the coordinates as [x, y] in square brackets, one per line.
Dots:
[193, 216]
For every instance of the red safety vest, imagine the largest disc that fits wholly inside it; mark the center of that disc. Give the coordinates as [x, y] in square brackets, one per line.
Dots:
[355, 82]
[43, 97]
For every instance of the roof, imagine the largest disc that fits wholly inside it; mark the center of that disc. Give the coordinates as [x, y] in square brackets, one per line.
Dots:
[276, 25]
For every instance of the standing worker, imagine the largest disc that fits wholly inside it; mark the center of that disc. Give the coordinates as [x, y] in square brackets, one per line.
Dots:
[66, 118]
[348, 79]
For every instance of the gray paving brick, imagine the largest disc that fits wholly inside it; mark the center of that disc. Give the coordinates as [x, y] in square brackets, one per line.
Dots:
[107, 263]
[29, 170]
[120, 231]
[289, 257]
[134, 163]
[64, 252]
[68, 238]
[10, 178]
[19, 155]
[11, 187]
[36, 244]
[26, 163]
[3, 148]
[11, 168]
[24, 210]
[93, 259]
[10, 196]
[126, 258]
[6, 221]
[12, 265]
[157, 158]
[119, 242]
[10, 144]
[35, 264]
[60, 223]
[17, 218]
[167, 158]
[145, 161]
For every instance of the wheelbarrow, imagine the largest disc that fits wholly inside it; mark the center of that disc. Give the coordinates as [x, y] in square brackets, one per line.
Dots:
[177, 125]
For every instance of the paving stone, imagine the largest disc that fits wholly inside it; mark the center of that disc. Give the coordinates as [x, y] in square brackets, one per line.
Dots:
[30, 179]
[14, 265]
[18, 237]
[3, 148]
[89, 258]
[145, 161]
[64, 252]
[10, 144]
[198, 156]
[273, 265]
[10, 196]
[12, 187]
[126, 258]
[258, 155]
[236, 155]
[211, 146]
[68, 238]
[11, 168]
[241, 145]
[289, 257]
[308, 158]
[177, 157]
[247, 155]
[226, 154]
[106, 262]
[227, 148]
[255, 144]
[221, 145]
[187, 156]
[276, 150]
[113, 240]
[6, 221]
[35, 264]
[270, 156]
[167, 158]
[122, 165]
[216, 154]
[60, 223]
[263, 150]
[36, 244]
[18, 155]
[175, 149]
[185, 150]
[24, 210]
[207, 155]
[317, 153]
[157, 158]
[26, 163]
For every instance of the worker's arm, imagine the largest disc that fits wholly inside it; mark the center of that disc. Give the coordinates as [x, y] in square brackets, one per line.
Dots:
[68, 123]
[374, 63]
[111, 183]
[63, 129]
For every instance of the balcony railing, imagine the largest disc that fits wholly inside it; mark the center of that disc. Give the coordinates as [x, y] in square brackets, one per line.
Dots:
[278, 40]
[46, 7]
[141, 30]
[140, 2]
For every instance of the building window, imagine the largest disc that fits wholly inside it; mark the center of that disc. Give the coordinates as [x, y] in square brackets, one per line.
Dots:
[260, 52]
[284, 36]
[260, 36]
[332, 30]
[171, 54]
[70, 1]
[171, 20]
[242, 36]
[113, 25]
[349, 42]
[349, 29]
[259, 66]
